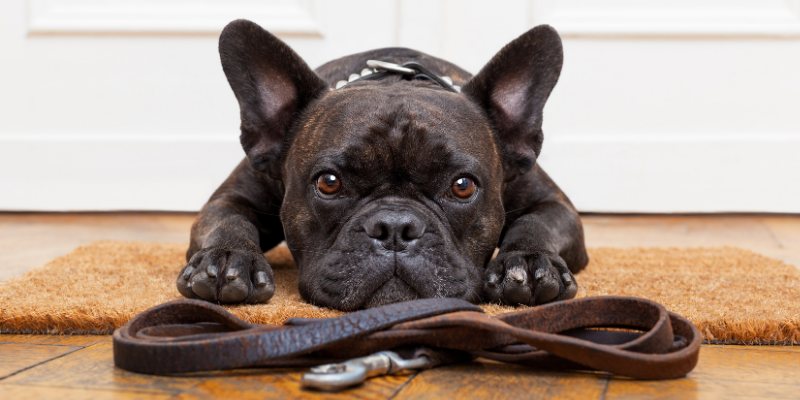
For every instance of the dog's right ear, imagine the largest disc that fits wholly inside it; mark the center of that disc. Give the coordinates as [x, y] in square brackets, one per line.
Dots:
[272, 84]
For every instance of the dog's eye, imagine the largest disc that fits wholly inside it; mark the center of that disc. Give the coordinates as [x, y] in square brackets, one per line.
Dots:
[463, 188]
[328, 185]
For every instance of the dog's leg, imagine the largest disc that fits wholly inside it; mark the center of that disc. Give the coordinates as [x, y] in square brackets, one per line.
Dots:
[542, 241]
[272, 85]
[542, 245]
[225, 261]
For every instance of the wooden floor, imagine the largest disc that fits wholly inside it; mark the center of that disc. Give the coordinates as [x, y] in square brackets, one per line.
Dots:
[81, 367]
[30, 240]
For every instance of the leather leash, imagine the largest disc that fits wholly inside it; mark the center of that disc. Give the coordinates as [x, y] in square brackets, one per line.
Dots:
[192, 335]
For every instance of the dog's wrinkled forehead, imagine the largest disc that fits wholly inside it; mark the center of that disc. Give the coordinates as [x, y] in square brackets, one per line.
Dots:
[400, 128]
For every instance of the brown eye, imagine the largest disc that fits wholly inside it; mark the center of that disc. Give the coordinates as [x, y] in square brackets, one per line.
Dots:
[463, 188]
[328, 185]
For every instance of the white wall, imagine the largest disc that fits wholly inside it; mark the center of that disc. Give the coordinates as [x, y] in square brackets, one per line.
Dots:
[662, 106]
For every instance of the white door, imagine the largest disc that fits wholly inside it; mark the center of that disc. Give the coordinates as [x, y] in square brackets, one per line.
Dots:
[662, 106]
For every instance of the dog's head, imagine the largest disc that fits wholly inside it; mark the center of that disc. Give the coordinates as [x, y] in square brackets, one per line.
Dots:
[393, 190]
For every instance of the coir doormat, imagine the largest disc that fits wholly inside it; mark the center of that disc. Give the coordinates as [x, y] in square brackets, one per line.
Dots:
[732, 295]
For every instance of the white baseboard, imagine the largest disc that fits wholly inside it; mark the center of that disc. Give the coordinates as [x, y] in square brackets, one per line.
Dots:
[602, 174]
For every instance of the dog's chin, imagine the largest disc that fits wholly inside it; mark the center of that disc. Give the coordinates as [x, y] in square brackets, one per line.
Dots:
[352, 280]
[393, 291]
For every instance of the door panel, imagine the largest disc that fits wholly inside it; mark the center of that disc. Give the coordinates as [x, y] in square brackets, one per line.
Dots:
[662, 106]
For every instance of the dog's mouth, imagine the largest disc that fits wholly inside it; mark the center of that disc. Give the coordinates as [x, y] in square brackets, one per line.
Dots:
[394, 290]
[350, 281]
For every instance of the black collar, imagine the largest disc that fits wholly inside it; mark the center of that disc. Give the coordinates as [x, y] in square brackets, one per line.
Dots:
[410, 70]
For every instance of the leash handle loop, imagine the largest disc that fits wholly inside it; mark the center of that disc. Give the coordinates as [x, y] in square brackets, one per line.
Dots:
[193, 335]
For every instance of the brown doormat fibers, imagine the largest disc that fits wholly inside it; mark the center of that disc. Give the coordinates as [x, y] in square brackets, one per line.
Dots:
[732, 295]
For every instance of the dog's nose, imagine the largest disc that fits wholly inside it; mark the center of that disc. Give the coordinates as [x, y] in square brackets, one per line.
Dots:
[394, 230]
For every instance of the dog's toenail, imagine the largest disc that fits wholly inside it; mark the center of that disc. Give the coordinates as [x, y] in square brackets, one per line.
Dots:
[261, 278]
[187, 272]
[567, 278]
[212, 271]
[232, 274]
[539, 273]
[518, 275]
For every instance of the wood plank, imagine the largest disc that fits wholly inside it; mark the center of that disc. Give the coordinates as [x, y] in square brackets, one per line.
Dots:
[55, 340]
[718, 363]
[136, 219]
[786, 230]
[779, 348]
[771, 236]
[29, 240]
[93, 368]
[683, 231]
[489, 380]
[699, 389]
[723, 372]
[285, 384]
[60, 393]
[15, 357]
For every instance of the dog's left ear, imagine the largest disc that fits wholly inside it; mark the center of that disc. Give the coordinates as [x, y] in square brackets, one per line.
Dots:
[513, 88]
[272, 84]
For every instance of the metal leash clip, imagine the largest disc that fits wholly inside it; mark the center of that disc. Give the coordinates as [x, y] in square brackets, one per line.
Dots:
[334, 377]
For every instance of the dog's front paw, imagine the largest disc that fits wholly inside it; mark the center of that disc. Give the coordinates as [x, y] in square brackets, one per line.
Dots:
[227, 276]
[529, 278]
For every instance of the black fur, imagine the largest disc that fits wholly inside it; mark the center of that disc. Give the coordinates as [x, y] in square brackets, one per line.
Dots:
[395, 231]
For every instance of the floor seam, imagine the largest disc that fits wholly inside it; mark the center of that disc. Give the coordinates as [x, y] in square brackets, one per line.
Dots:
[50, 344]
[172, 393]
[774, 236]
[40, 363]
[605, 387]
[396, 392]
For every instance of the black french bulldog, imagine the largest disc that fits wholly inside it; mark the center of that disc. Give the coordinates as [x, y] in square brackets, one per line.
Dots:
[392, 189]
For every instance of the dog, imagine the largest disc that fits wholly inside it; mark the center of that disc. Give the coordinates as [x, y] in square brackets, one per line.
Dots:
[390, 189]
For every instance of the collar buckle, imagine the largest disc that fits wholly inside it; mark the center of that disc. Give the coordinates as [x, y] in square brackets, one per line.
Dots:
[411, 69]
